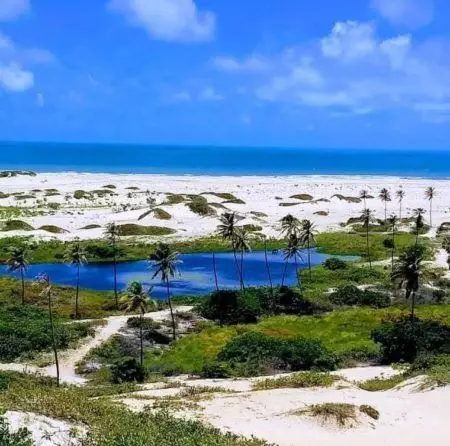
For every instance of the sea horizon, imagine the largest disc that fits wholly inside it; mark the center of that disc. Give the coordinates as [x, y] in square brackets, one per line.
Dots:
[42, 157]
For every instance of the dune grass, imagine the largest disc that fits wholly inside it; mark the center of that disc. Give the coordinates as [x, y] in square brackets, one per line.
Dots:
[303, 197]
[161, 214]
[341, 413]
[380, 384]
[53, 229]
[15, 225]
[132, 229]
[296, 380]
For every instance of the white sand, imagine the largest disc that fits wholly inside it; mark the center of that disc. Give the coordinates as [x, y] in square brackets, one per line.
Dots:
[261, 194]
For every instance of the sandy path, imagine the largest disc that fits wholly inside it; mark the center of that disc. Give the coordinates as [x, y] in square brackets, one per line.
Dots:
[69, 358]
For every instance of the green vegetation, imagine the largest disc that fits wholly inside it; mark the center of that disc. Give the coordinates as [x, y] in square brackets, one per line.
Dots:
[380, 384]
[351, 295]
[79, 194]
[369, 411]
[347, 199]
[199, 205]
[91, 227]
[221, 195]
[16, 173]
[132, 229]
[296, 380]
[341, 413]
[234, 201]
[175, 198]
[53, 229]
[252, 228]
[321, 213]
[161, 214]
[304, 197]
[20, 438]
[16, 225]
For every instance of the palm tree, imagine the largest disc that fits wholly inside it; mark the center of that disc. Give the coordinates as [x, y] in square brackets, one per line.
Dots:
[18, 262]
[385, 196]
[44, 280]
[215, 270]
[306, 237]
[76, 255]
[366, 218]
[430, 193]
[407, 271]
[418, 223]
[227, 231]
[269, 275]
[400, 196]
[165, 262]
[393, 223]
[364, 195]
[137, 299]
[292, 251]
[112, 234]
[241, 243]
[289, 225]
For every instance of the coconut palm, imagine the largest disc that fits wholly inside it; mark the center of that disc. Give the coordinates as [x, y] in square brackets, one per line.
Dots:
[407, 272]
[364, 195]
[112, 234]
[266, 258]
[385, 196]
[17, 261]
[306, 238]
[165, 261]
[418, 222]
[292, 251]
[400, 196]
[242, 244]
[366, 218]
[76, 255]
[137, 299]
[393, 224]
[289, 225]
[227, 231]
[215, 271]
[44, 280]
[430, 193]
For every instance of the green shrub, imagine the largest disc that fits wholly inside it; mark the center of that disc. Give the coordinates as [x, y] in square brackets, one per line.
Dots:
[147, 323]
[161, 214]
[22, 437]
[16, 225]
[334, 263]
[347, 199]
[404, 339]
[235, 201]
[127, 369]
[53, 229]
[222, 195]
[215, 370]
[380, 384]
[296, 380]
[304, 197]
[79, 194]
[199, 205]
[175, 198]
[252, 228]
[93, 226]
[351, 295]
[341, 413]
[133, 229]
[369, 411]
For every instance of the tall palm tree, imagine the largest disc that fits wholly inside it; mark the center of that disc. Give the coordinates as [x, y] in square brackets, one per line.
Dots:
[112, 234]
[227, 231]
[289, 225]
[76, 255]
[306, 237]
[430, 193]
[408, 271]
[418, 223]
[366, 218]
[44, 279]
[215, 271]
[400, 196]
[292, 251]
[385, 196]
[364, 195]
[266, 258]
[165, 262]
[18, 262]
[393, 224]
[137, 299]
[241, 244]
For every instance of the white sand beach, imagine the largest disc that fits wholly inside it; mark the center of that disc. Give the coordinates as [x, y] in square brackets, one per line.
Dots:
[48, 199]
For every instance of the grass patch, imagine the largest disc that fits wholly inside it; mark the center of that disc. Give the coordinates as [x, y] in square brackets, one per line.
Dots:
[340, 413]
[161, 214]
[296, 380]
[91, 227]
[24, 197]
[252, 228]
[380, 384]
[321, 213]
[199, 205]
[109, 186]
[221, 195]
[369, 411]
[53, 229]
[235, 201]
[79, 194]
[286, 205]
[259, 214]
[175, 198]
[347, 199]
[304, 197]
[16, 225]
[132, 229]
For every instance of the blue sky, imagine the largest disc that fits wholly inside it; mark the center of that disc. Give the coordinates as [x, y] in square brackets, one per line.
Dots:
[322, 73]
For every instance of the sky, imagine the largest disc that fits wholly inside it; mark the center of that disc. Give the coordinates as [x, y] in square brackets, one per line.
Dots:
[300, 73]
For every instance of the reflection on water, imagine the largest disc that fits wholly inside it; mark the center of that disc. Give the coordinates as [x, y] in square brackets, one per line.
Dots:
[195, 276]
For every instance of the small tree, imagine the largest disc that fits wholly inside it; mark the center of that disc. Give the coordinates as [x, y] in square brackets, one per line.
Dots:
[400, 196]
[430, 193]
[385, 196]
[418, 222]
[366, 218]
[364, 195]
[290, 225]
[76, 256]
[306, 238]
[18, 262]
[112, 234]
[393, 224]
[241, 243]
[292, 251]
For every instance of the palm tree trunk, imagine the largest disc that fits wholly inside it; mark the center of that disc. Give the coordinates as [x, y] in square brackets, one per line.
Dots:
[296, 272]
[242, 269]
[284, 273]
[385, 212]
[115, 275]
[268, 266]
[413, 305]
[368, 249]
[23, 285]
[237, 267]
[52, 328]
[215, 271]
[141, 334]
[77, 292]
[431, 208]
[309, 261]
[393, 248]
[417, 235]
[400, 214]
[169, 301]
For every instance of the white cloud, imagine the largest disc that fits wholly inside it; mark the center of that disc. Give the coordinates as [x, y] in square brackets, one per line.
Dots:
[10, 9]
[13, 78]
[40, 100]
[408, 13]
[170, 20]
[252, 63]
[181, 96]
[210, 94]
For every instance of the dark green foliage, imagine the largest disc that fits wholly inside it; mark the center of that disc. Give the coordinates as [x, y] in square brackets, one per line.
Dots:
[25, 330]
[16, 225]
[147, 324]
[215, 370]
[127, 369]
[388, 243]
[347, 199]
[161, 214]
[351, 295]
[53, 229]
[132, 229]
[20, 438]
[199, 205]
[304, 197]
[79, 194]
[255, 353]
[404, 339]
[93, 226]
[334, 263]
[252, 228]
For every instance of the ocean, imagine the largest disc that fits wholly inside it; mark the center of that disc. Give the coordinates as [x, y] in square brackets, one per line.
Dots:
[203, 160]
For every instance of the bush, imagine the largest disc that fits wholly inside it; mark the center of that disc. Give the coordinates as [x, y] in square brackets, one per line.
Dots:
[16, 225]
[22, 437]
[254, 353]
[215, 370]
[404, 339]
[297, 380]
[334, 263]
[351, 295]
[130, 229]
[127, 369]
[79, 194]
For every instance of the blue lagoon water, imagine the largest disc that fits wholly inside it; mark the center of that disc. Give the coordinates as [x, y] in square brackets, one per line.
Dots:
[196, 273]
[113, 158]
